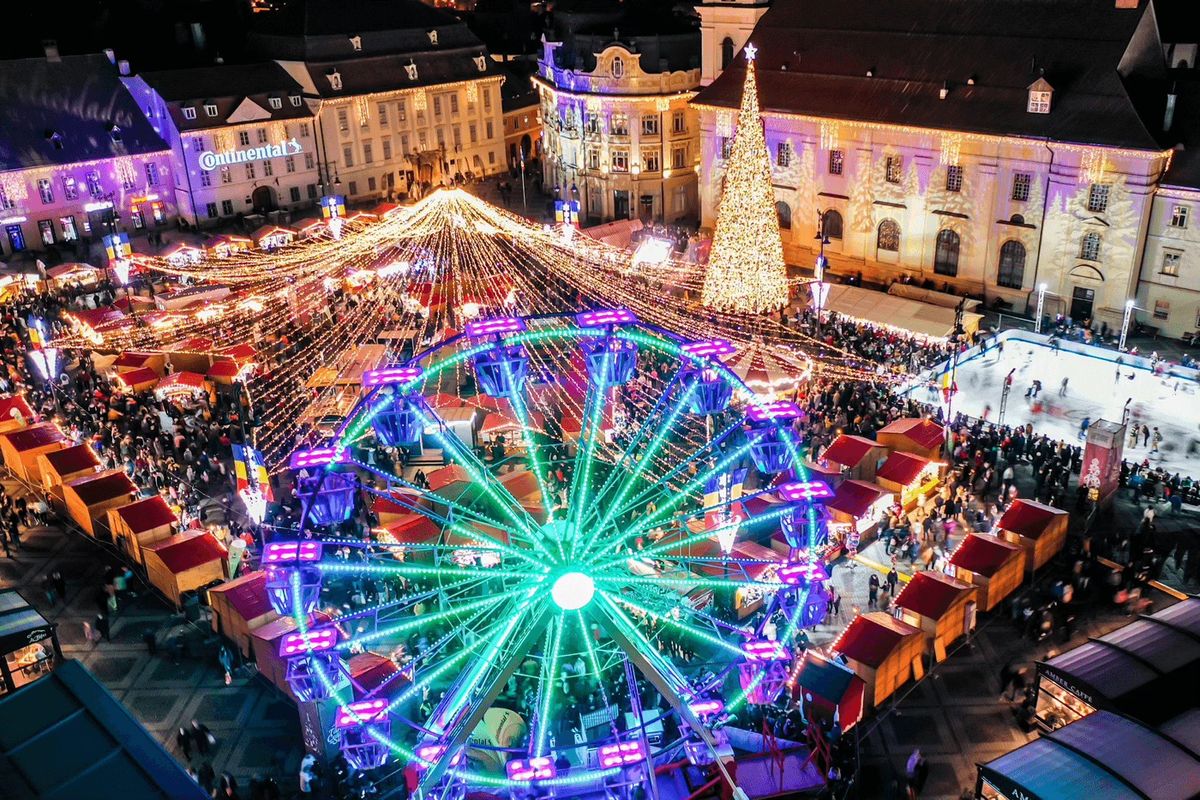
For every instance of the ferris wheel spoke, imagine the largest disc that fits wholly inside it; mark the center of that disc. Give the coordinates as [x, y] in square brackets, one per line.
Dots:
[670, 621]
[552, 653]
[424, 620]
[405, 569]
[535, 461]
[593, 408]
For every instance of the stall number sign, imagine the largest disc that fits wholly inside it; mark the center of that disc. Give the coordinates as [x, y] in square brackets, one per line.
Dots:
[210, 160]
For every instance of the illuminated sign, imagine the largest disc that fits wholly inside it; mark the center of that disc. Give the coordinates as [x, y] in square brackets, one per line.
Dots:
[210, 160]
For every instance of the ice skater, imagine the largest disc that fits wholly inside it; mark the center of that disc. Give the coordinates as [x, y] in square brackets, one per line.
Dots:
[1062, 388]
[1083, 427]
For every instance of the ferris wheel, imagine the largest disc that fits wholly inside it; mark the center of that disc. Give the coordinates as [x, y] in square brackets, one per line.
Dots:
[624, 566]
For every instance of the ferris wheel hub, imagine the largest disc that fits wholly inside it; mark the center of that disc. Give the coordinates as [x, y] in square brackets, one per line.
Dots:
[573, 590]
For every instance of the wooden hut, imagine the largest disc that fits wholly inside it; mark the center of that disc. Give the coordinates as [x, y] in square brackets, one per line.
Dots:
[909, 477]
[239, 607]
[182, 254]
[60, 467]
[226, 245]
[264, 642]
[181, 385]
[828, 691]
[854, 456]
[941, 606]
[15, 413]
[141, 523]
[994, 566]
[855, 510]
[1040, 529]
[21, 449]
[89, 498]
[309, 228]
[883, 651]
[184, 561]
[917, 435]
[128, 361]
[137, 380]
[270, 237]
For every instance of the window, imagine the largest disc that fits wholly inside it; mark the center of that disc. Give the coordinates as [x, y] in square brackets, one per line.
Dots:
[295, 98]
[454, 103]
[289, 164]
[1179, 216]
[678, 157]
[304, 130]
[151, 173]
[491, 157]
[619, 125]
[593, 159]
[837, 160]
[726, 52]
[268, 168]
[311, 191]
[347, 156]
[489, 129]
[437, 105]
[69, 232]
[95, 188]
[457, 135]
[620, 161]
[832, 224]
[309, 161]
[46, 190]
[726, 147]
[343, 119]
[1011, 274]
[473, 133]
[46, 231]
[381, 113]
[275, 102]
[227, 208]
[618, 67]
[262, 135]
[1098, 197]
[1171, 261]
[401, 111]
[211, 210]
[893, 169]
[5, 201]
[888, 236]
[70, 188]
[368, 153]
[1089, 247]
[205, 179]
[1162, 309]
[226, 175]
[441, 136]
[353, 187]
[945, 255]
[784, 213]
[210, 109]
[189, 112]
[783, 154]
[244, 138]
[650, 161]
[403, 143]
[198, 144]
[387, 149]
[954, 176]
[1039, 102]
[678, 122]
[371, 184]
[1021, 184]
[250, 171]
[649, 124]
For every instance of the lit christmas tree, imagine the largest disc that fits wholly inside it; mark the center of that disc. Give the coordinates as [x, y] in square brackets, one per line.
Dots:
[746, 271]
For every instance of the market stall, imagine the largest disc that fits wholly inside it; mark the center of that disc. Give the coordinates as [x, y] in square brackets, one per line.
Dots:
[182, 385]
[910, 477]
[396, 505]
[264, 643]
[239, 607]
[129, 361]
[917, 435]
[828, 691]
[994, 566]
[15, 413]
[184, 561]
[1040, 529]
[883, 651]
[449, 482]
[1102, 757]
[28, 642]
[942, 607]
[1146, 669]
[855, 509]
[21, 449]
[72, 274]
[60, 467]
[89, 498]
[183, 254]
[141, 523]
[225, 245]
[136, 380]
[271, 237]
[854, 456]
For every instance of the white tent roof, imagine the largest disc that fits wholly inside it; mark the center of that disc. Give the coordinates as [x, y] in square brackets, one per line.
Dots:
[878, 308]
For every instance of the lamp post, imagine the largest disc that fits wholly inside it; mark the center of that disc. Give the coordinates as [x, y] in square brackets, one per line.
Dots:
[1041, 304]
[1129, 309]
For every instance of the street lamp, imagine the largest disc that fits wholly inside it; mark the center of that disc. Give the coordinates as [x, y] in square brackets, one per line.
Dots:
[1041, 303]
[1129, 309]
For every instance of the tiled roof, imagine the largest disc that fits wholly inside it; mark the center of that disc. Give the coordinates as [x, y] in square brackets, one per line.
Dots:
[872, 637]
[848, 450]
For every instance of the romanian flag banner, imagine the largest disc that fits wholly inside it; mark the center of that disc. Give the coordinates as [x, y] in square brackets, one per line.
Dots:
[247, 462]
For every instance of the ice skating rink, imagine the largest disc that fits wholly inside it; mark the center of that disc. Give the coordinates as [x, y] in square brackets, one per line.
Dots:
[1096, 388]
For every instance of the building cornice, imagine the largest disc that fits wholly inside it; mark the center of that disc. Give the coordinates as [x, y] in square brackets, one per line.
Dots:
[687, 94]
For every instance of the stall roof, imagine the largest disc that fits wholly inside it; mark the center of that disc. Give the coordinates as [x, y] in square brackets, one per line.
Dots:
[1102, 755]
[413, 528]
[131, 360]
[872, 637]
[247, 594]
[849, 450]
[18, 617]
[184, 551]
[139, 375]
[825, 678]
[72, 459]
[444, 476]
[931, 594]
[855, 497]
[902, 468]
[93, 489]
[192, 380]
[35, 436]
[107, 747]
[984, 554]
[921, 430]
[223, 368]
[1184, 729]
[16, 403]
[147, 514]
[1184, 615]
[1028, 518]
[913, 316]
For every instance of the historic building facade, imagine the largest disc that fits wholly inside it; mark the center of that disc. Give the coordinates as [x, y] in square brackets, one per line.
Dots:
[1005, 163]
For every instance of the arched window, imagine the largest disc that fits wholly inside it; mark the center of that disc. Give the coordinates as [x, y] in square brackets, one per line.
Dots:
[945, 255]
[618, 67]
[1017, 219]
[1011, 274]
[1089, 247]
[888, 237]
[832, 224]
[726, 52]
[784, 212]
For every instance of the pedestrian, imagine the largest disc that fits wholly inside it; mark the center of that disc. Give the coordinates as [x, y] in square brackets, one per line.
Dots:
[204, 738]
[1062, 388]
[893, 580]
[48, 589]
[207, 776]
[183, 740]
[873, 590]
[225, 657]
[916, 771]
[836, 598]
[150, 639]
[1008, 674]
[227, 787]
[101, 624]
[60, 585]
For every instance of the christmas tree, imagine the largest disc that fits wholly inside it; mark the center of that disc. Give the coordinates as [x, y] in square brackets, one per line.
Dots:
[746, 271]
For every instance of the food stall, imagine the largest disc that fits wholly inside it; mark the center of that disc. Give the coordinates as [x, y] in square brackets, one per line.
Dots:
[28, 642]
[271, 237]
[92, 323]
[449, 483]
[239, 607]
[73, 273]
[883, 651]
[522, 485]
[994, 566]
[89, 498]
[128, 361]
[141, 523]
[920, 436]
[21, 449]
[182, 385]
[184, 561]
[60, 467]
[183, 254]
[1102, 757]
[855, 510]
[310, 228]
[1146, 669]
[827, 691]
[136, 380]
[225, 245]
[942, 607]
[15, 413]
[410, 528]
[854, 456]
[909, 477]
[1039, 528]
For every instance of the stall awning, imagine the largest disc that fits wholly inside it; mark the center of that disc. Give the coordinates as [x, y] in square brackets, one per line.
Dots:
[35, 436]
[931, 594]
[107, 486]
[855, 497]
[889, 310]
[180, 381]
[13, 407]
[848, 450]
[72, 459]
[1028, 518]
[983, 554]
[923, 432]
[902, 468]
[871, 638]
[145, 515]
[185, 551]
[17, 620]
[136, 377]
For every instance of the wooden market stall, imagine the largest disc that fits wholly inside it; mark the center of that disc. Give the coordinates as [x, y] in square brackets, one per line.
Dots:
[60, 467]
[941, 606]
[129, 361]
[181, 385]
[15, 413]
[184, 561]
[264, 643]
[142, 523]
[136, 380]
[270, 237]
[225, 245]
[21, 449]
[239, 607]
[883, 651]
[994, 566]
[854, 456]
[73, 273]
[1039, 528]
[917, 435]
[182, 254]
[909, 477]
[855, 510]
[89, 498]
[828, 690]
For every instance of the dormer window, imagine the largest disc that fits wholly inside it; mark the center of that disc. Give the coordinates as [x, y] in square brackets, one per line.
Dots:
[1039, 97]
[114, 132]
[189, 112]
[56, 139]
[276, 102]
[210, 109]
[618, 67]
[295, 98]
[356, 43]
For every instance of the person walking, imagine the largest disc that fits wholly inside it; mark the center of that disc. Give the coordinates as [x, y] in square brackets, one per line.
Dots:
[183, 740]
[893, 580]
[873, 590]
[60, 585]
[102, 627]
[915, 772]
[203, 737]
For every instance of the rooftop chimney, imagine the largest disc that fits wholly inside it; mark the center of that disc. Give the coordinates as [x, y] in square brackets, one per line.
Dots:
[51, 48]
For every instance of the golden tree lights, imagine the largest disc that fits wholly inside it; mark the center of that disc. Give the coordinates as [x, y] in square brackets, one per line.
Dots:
[746, 272]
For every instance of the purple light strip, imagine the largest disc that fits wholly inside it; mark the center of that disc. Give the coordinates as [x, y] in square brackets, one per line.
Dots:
[318, 457]
[709, 348]
[801, 491]
[603, 317]
[494, 326]
[779, 411]
[378, 377]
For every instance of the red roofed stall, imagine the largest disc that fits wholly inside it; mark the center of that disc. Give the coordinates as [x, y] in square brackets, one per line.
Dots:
[855, 510]
[15, 413]
[184, 561]
[1039, 528]
[941, 606]
[129, 360]
[828, 691]
[910, 477]
[59, 467]
[917, 435]
[994, 566]
[239, 607]
[142, 523]
[21, 448]
[855, 456]
[181, 384]
[89, 498]
[136, 380]
[883, 651]
[411, 528]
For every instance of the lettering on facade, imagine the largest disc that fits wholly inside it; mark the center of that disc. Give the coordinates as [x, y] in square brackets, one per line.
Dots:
[210, 160]
[1082, 695]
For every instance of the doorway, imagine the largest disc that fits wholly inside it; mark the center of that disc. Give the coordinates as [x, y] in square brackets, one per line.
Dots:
[263, 200]
[1082, 301]
[620, 204]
